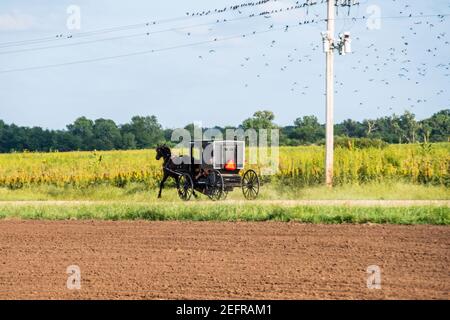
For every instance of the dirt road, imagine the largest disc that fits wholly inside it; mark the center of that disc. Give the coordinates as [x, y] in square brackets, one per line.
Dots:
[199, 260]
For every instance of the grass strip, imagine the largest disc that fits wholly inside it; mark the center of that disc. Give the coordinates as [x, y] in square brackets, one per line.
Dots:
[435, 215]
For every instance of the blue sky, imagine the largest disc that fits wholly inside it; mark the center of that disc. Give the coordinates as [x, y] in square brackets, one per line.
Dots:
[224, 82]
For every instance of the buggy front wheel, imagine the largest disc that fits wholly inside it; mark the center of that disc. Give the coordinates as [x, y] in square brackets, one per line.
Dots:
[214, 185]
[185, 187]
[250, 185]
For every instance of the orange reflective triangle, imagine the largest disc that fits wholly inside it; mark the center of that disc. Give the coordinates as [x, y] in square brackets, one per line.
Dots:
[230, 165]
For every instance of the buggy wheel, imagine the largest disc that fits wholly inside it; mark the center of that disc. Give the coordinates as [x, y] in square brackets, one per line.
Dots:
[250, 185]
[224, 195]
[214, 185]
[185, 187]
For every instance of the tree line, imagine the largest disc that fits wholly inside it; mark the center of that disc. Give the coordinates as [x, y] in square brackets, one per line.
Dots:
[146, 132]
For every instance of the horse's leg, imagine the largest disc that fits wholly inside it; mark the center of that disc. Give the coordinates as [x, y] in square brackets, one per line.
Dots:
[161, 185]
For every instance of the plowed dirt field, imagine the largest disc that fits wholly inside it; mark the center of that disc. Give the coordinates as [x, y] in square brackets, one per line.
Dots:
[214, 260]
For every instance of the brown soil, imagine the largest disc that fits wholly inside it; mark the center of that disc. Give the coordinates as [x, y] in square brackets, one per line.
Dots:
[201, 260]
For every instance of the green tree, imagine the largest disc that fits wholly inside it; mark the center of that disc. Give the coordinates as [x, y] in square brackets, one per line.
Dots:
[38, 139]
[388, 129]
[107, 135]
[3, 132]
[308, 130]
[128, 141]
[409, 125]
[350, 128]
[146, 130]
[83, 131]
[437, 126]
[16, 138]
[64, 141]
[287, 136]
[260, 120]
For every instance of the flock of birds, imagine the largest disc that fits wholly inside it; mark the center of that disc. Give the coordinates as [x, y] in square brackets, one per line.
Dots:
[298, 4]
[406, 66]
[407, 63]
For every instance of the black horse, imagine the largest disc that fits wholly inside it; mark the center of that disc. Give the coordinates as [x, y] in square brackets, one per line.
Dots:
[170, 168]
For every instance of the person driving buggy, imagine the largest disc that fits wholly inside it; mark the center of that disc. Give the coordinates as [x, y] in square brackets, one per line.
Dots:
[204, 170]
[201, 172]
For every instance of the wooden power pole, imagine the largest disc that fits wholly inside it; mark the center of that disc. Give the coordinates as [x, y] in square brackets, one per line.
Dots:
[329, 153]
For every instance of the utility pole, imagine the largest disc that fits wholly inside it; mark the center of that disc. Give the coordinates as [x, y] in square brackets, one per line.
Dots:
[329, 144]
[329, 45]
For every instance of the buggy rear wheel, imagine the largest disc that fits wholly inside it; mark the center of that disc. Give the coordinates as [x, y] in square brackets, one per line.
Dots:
[250, 185]
[215, 185]
[185, 187]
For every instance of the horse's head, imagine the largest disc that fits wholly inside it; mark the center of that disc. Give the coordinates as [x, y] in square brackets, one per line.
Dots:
[163, 151]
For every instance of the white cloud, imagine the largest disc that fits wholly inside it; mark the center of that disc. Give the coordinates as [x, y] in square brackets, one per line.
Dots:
[15, 21]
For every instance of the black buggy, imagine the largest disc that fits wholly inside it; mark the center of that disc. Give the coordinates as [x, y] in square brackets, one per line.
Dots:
[213, 168]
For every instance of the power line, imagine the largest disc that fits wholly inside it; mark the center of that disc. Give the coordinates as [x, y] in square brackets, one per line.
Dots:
[140, 25]
[141, 34]
[144, 52]
[200, 25]
[312, 21]
[394, 17]
[168, 20]
[73, 44]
